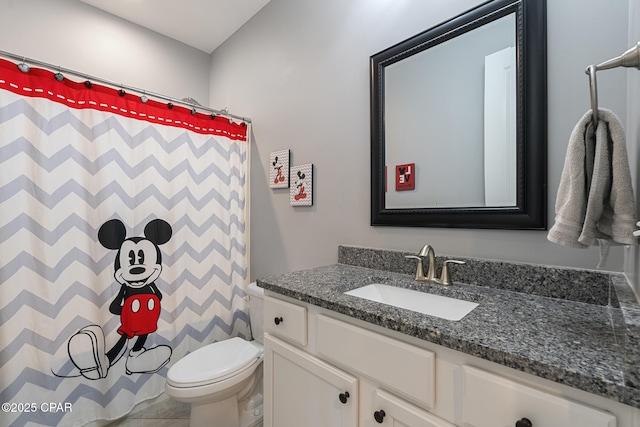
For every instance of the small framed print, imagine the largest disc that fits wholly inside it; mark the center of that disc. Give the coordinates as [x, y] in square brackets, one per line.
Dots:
[301, 189]
[405, 177]
[279, 169]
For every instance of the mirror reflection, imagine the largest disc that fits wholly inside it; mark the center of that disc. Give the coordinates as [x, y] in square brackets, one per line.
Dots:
[451, 111]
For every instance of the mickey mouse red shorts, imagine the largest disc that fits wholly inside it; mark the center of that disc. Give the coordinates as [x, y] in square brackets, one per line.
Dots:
[139, 316]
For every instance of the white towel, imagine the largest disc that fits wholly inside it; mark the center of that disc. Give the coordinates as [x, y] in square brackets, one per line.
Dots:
[595, 199]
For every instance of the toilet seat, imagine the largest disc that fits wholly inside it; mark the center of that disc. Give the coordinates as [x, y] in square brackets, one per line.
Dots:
[214, 363]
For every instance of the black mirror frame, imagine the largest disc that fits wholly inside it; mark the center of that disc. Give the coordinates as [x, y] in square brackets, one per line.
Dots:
[530, 211]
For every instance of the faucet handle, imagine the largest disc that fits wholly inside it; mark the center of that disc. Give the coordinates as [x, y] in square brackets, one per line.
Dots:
[419, 267]
[444, 277]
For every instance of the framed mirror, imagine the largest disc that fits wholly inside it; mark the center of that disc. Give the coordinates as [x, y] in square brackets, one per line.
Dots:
[458, 122]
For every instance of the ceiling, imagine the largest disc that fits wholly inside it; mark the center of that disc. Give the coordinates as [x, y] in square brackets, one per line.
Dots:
[203, 24]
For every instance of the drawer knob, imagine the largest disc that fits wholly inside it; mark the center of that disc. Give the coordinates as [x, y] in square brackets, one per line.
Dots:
[524, 423]
[278, 320]
[343, 397]
[379, 416]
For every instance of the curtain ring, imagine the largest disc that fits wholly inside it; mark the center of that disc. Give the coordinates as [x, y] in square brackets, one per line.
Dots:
[23, 66]
[59, 76]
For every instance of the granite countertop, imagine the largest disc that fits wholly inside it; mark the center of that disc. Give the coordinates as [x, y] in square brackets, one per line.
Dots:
[578, 344]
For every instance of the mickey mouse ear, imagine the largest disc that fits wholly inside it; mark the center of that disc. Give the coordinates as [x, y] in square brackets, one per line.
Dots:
[112, 233]
[158, 231]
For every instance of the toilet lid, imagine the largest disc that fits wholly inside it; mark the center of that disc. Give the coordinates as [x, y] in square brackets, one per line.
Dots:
[213, 362]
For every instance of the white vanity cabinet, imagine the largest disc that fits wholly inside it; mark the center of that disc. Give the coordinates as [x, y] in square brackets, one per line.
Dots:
[316, 382]
[301, 390]
[489, 400]
[326, 369]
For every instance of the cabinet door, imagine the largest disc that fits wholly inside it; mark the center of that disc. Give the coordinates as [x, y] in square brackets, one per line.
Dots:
[392, 411]
[489, 400]
[301, 390]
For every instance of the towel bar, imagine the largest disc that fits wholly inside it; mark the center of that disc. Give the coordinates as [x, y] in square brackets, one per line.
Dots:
[631, 58]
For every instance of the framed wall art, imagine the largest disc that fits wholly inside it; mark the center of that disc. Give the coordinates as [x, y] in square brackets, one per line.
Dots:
[279, 169]
[301, 189]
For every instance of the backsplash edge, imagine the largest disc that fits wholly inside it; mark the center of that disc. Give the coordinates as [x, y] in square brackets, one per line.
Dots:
[580, 285]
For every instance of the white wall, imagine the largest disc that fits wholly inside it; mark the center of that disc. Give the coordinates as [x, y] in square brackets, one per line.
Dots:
[300, 69]
[79, 37]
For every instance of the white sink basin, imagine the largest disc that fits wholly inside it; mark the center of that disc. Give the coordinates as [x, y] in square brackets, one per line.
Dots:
[422, 302]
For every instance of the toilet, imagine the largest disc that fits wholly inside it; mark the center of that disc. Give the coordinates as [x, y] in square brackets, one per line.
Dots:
[223, 381]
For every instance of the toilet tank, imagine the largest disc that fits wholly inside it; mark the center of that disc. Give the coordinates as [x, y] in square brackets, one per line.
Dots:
[256, 311]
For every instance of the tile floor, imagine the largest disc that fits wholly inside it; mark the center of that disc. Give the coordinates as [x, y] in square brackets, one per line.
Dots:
[165, 413]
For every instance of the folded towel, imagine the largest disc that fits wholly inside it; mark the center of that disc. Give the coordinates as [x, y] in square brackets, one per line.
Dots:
[595, 199]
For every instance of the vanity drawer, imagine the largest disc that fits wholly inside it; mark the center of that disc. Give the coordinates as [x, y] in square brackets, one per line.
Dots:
[394, 411]
[407, 370]
[285, 320]
[489, 400]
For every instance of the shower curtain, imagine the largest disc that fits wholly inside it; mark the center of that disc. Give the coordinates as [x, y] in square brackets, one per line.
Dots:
[123, 245]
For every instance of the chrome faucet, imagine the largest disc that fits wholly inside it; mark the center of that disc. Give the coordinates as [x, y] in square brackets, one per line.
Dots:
[426, 251]
[430, 277]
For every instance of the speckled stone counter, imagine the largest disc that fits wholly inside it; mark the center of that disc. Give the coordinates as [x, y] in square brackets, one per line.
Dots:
[531, 318]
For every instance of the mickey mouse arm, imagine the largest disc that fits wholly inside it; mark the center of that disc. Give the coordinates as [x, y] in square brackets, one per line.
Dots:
[156, 291]
[116, 305]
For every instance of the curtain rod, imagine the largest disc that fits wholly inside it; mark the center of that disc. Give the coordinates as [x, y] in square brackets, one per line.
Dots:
[188, 102]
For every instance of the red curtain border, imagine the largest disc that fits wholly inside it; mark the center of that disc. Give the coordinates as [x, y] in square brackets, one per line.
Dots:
[41, 83]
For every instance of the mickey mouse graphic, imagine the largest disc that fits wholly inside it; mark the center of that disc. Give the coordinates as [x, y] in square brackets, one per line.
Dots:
[138, 264]
[300, 186]
[279, 178]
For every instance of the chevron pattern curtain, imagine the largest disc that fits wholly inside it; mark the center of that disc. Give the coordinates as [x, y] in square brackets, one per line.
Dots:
[122, 245]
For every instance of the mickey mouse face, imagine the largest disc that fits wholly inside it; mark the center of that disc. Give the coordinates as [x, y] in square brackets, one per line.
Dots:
[137, 263]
